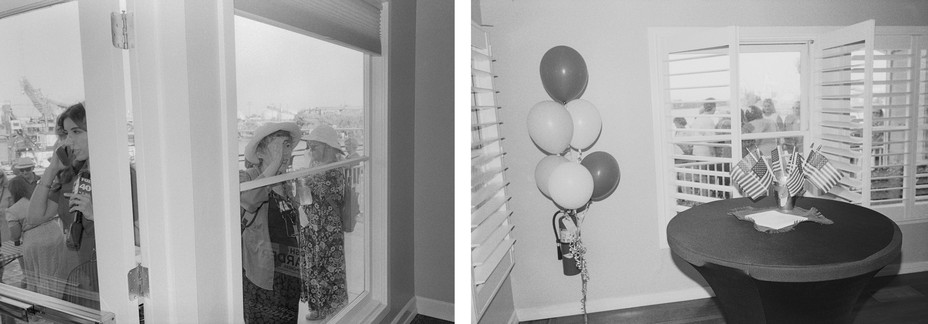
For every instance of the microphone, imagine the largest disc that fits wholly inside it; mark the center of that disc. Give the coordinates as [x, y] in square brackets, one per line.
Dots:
[76, 230]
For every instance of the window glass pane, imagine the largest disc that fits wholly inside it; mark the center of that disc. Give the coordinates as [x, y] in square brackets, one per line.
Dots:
[300, 102]
[41, 75]
[770, 91]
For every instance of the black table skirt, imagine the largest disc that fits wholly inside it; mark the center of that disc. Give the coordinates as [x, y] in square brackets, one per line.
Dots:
[813, 274]
[861, 240]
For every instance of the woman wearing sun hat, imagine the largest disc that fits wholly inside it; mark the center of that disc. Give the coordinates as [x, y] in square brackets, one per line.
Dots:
[270, 226]
[322, 248]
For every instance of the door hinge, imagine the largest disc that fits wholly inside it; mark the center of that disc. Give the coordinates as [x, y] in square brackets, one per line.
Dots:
[138, 282]
[123, 30]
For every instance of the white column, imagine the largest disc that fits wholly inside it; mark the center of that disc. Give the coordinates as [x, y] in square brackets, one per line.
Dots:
[183, 85]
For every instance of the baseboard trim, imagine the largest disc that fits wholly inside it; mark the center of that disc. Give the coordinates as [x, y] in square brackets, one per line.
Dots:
[561, 310]
[904, 268]
[407, 314]
[435, 308]
[568, 309]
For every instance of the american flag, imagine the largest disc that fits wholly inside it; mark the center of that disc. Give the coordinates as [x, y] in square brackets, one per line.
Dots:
[820, 172]
[778, 162]
[775, 160]
[795, 178]
[752, 176]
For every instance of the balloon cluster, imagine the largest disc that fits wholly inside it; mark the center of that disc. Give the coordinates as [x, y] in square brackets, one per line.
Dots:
[569, 122]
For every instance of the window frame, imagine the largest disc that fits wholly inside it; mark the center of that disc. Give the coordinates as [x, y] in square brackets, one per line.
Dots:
[748, 35]
[178, 44]
[103, 69]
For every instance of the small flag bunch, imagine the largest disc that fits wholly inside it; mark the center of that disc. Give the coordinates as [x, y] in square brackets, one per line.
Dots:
[754, 174]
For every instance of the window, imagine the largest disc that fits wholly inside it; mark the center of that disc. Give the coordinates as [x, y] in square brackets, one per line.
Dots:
[283, 76]
[850, 90]
[46, 68]
[37, 84]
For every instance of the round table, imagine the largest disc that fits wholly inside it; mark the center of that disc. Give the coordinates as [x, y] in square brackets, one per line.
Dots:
[812, 274]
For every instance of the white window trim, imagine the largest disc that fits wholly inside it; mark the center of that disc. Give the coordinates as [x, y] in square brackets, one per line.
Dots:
[161, 91]
[748, 34]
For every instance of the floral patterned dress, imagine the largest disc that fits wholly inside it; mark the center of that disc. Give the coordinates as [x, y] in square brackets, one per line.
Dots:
[322, 248]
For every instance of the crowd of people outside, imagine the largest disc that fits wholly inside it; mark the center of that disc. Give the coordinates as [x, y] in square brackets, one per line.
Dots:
[293, 231]
[754, 119]
[40, 213]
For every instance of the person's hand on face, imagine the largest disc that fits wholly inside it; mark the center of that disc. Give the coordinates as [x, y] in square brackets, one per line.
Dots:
[279, 150]
[273, 158]
[55, 164]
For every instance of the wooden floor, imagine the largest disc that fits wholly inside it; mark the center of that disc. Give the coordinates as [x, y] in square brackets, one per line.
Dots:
[890, 299]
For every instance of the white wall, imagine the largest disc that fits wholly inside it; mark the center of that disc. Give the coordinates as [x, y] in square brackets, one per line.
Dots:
[627, 266]
[434, 157]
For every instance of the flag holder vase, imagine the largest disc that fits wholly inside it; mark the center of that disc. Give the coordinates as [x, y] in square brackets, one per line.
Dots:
[785, 201]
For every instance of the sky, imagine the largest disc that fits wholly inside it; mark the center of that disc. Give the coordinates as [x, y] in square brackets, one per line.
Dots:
[770, 75]
[47, 54]
[273, 66]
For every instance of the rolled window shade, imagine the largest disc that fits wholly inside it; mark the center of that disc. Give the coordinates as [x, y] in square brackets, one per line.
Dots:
[351, 23]
[15, 7]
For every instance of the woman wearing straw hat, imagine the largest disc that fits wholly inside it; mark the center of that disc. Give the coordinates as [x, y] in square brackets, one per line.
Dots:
[322, 249]
[270, 224]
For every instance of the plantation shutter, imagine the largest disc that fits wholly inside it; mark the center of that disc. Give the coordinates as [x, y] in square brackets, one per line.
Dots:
[919, 55]
[845, 108]
[351, 23]
[697, 70]
[491, 242]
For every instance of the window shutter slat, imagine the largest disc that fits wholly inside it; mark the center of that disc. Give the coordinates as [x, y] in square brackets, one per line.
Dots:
[484, 194]
[484, 249]
[491, 239]
[482, 232]
[479, 214]
[845, 79]
[483, 270]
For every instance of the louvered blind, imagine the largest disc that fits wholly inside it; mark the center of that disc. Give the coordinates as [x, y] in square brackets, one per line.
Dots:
[491, 240]
[921, 180]
[895, 111]
[699, 80]
[844, 102]
[351, 23]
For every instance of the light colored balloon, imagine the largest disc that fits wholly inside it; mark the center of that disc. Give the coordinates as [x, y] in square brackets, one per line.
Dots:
[550, 126]
[543, 171]
[571, 185]
[587, 123]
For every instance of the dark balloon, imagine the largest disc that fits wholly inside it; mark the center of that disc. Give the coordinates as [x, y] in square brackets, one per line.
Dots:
[563, 73]
[605, 171]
